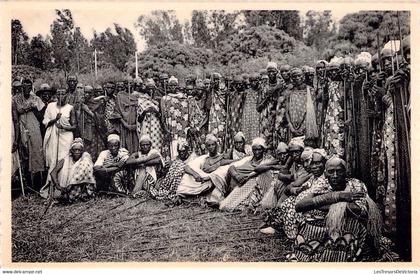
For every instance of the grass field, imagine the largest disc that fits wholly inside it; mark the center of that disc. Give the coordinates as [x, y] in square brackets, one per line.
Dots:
[121, 229]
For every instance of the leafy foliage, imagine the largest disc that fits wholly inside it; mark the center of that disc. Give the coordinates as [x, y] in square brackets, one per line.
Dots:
[20, 43]
[115, 48]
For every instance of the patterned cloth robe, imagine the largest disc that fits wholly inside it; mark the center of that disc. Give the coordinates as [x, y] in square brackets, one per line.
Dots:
[175, 118]
[314, 242]
[272, 117]
[77, 178]
[394, 174]
[126, 109]
[146, 177]
[109, 111]
[217, 116]
[167, 186]
[151, 124]
[234, 116]
[333, 130]
[252, 192]
[296, 111]
[250, 117]
[197, 113]
[30, 133]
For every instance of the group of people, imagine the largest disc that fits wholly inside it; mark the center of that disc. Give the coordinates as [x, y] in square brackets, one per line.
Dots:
[322, 153]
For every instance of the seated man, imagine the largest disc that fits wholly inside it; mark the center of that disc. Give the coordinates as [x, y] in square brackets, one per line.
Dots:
[205, 173]
[166, 187]
[284, 214]
[338, 215]
[110, 168]
[248, 183]
[145, 162]
[73, 175]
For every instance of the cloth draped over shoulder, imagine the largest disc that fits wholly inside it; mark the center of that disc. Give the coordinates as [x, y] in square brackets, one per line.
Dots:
[126, 109]
[57, 141]
[79, 172]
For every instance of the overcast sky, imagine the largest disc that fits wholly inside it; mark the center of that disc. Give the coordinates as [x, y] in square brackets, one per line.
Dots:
[38, 21]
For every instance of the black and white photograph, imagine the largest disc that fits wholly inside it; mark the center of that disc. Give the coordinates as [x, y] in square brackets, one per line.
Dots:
[210, 135]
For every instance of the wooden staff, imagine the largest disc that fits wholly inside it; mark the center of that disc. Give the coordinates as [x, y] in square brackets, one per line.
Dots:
[20, 174]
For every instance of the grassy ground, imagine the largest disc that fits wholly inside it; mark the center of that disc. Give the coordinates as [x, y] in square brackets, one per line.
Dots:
[123, 229]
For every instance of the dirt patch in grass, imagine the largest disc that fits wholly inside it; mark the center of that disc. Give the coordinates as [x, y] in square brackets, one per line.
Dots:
[142, 230]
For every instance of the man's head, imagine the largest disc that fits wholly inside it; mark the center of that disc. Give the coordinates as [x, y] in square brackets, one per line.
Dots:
[272, 72]
[254, 80]
[386, 59]
[320, 68]
[282, 152]
[77, 149]
[333, 71]
[319, 157]
[239, 142]
[309, 74]
[172, 85]
[16, 87]
[211, 144]
[120, 86]
[71, 82]
[145, 143]
[295, 149]
[190, 90]
[45, 93]
[88, 93]
[216, 77]
[285, 72]
[113, 144]
[62, 96]
[110, 88]
[163, 79]
[238, 83]
[27, 87]
[335, 172]
[258, 148]
[297, 77]
[207, 84]
[183, 149]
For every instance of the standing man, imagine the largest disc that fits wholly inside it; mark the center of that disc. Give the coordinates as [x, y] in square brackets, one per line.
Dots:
[250, 116]
[174, 107]
[217, 105]
[27, 105]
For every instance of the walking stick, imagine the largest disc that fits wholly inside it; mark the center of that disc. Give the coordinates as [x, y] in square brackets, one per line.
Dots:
[20, 175]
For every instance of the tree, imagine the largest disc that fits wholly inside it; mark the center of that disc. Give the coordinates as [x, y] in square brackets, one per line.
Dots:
[361, 28]
[40, 53]
[285, 20]
[82, 51]
[255, 42]
[318, 27]
[117, 48]
[199, 30]
[20, 43]
[160, 27]
[62, 40]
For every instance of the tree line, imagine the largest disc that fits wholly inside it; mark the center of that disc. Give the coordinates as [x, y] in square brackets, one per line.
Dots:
[210, 39]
